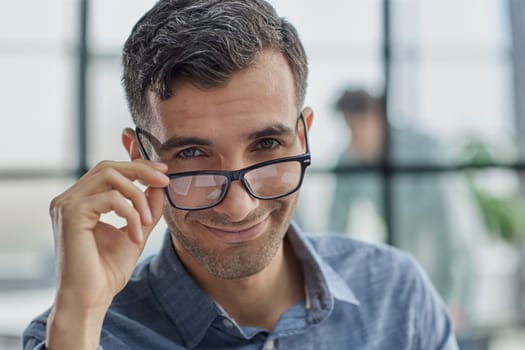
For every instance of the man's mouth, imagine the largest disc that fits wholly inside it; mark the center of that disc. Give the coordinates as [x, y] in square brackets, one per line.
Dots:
[234, 234]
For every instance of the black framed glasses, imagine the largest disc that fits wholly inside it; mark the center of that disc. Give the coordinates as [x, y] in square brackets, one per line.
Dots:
[272, 179]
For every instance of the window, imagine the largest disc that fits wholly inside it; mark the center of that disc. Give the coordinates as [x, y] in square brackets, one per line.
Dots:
[451, 74]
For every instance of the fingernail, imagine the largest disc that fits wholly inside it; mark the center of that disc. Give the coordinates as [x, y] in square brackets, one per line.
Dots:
[161, 175]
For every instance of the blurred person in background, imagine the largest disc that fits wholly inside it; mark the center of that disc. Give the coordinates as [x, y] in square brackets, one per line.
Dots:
[425, 219]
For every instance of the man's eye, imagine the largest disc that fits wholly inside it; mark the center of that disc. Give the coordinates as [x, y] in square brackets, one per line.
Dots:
[190, 153]
[268, 144]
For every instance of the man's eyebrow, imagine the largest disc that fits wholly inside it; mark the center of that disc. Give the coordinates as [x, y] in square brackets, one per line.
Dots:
[273, 130]
[182, 141]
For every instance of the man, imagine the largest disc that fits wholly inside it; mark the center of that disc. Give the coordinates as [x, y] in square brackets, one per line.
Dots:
[216, 89]
[424, 196]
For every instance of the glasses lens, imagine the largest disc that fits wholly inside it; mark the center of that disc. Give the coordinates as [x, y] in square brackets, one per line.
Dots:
[196, 191]
[274, 180]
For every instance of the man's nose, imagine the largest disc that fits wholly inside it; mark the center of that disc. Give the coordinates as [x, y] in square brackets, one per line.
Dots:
[238, 203]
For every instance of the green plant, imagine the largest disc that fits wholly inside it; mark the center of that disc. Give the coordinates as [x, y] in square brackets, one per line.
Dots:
[504, 215]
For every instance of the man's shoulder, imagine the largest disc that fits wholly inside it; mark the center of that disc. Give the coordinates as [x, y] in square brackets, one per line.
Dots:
[380, 276]
[35, 333]
[396, 300]
[334, 247]
[365, 264]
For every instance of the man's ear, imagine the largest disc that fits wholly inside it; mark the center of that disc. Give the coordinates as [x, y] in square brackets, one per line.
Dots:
[129, 140]
[308, 114]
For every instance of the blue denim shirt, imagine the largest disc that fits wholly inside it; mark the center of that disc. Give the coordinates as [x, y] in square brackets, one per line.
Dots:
[359, 296]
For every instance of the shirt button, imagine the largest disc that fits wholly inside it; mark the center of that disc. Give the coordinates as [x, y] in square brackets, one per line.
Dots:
[270, 345]
[227, 323]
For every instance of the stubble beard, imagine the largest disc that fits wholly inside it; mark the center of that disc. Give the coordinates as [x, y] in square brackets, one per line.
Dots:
[239, 261]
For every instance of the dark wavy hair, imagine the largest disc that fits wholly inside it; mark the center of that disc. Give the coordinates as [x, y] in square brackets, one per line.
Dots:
[203, 42]
[354, 102]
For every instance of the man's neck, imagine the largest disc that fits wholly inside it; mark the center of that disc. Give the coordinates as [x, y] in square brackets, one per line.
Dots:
[259, 300]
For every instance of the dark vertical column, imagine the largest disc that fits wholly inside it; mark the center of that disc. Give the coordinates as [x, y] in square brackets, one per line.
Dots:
[387, 154]
[517, 25]
[82, 66]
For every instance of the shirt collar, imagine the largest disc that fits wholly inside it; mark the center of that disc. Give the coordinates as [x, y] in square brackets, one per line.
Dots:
[323, 284]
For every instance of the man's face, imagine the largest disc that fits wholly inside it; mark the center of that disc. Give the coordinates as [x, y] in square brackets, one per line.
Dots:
[251, 119]
[367, 130]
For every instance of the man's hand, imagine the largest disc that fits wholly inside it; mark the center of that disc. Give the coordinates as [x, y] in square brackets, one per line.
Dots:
[94, 260]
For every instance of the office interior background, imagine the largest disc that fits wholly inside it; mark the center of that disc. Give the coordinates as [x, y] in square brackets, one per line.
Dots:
[452, 70]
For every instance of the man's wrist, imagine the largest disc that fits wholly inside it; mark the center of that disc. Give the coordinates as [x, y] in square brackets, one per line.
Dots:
[73, 328]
